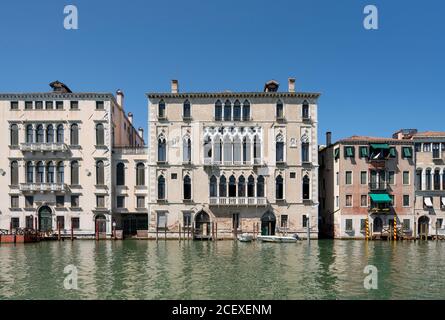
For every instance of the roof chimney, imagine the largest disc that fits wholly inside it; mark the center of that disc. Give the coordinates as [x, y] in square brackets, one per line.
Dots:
[141, 132]
[328, 138]
[60, 87]
[120, 98]
[175, 86]
[291, 83]
[271, 86]
[130, 117]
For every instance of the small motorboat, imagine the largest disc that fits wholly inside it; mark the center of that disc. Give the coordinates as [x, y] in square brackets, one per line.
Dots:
[278, 239]
[245, 237]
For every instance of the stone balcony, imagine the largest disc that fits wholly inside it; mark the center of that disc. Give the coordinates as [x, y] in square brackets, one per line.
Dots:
[43, 147]
[43, 187]
[254, 162]
[237, 201]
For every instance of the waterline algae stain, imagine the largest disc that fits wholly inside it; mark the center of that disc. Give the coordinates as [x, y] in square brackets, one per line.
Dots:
[223, 270]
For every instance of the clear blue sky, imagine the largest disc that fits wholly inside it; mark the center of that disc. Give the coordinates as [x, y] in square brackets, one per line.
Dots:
[372, 82]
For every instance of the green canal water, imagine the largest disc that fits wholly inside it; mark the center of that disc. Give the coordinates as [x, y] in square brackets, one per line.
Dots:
[224, 270]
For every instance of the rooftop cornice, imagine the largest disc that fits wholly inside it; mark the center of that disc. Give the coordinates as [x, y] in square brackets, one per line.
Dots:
[368, 142]
[57, 95]
[228, 94]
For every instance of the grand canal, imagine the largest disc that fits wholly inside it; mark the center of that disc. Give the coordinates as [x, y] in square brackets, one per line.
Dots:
[224, 270]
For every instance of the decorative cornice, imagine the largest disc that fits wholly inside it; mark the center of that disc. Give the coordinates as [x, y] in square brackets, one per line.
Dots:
[307, 95]
[56, 95]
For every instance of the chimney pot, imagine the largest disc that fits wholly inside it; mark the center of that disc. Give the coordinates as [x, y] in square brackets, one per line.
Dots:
[175, 86]
[328, 138]
[291, 84]
[130, 117]
[120, 98]
[141, 132]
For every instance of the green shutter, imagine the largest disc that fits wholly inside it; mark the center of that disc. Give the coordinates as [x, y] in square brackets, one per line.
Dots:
[349, 152]
[336, 153]
[363, 152]
[407, 152]
[392, 152]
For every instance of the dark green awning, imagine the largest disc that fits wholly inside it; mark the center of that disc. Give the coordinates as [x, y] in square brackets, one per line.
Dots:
[380, 146]
[380, 197]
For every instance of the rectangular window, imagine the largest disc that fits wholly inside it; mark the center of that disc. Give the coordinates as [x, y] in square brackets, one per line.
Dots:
[74, 105]
[349, 152]
[235, 221]
[348, 200]
[174, 176]
[336, 153]
[391, 177]
[59, 105]
[363, 225]
[406, 200]
[75, 223]
[49, 105]
[436, 150]
[292, 175]
[406, 177]
[284, 221]
[29, 222]
[60, 201]
[439, 223]
[28, 105]
[348, 177]
[427, 147]
[418, 147]
[363, 152]
[304, 221]
[140, 202]
[364, 200]
[15, 223]
[14, 202]
[406, 224]
[100, 201]
[364, 177]
[39, 105]
[14, 105]
[100, 105]
[348, 224]
[29, 201]
[120, 202]
[392, 152]
[162, 220]
[60, 222]
[75, 201]
[187, 219]
[407, 152]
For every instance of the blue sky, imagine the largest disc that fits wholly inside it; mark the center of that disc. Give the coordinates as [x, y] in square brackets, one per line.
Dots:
[372, 82]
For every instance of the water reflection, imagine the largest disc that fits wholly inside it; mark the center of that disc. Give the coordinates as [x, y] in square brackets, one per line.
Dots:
[224, 270]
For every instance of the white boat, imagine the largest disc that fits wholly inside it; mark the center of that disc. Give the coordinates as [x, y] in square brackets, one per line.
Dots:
[280, 239]
[245, 237]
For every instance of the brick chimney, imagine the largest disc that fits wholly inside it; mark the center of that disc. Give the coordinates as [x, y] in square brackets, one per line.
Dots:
[175, 86]
[130, 117]
[141, 132]
[291, 83]
[328, 138]
[120, 98]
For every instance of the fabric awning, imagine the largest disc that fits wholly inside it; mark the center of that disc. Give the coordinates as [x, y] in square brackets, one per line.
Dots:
[380, 197]
[380, 146]
[443, 201]
[428, 202]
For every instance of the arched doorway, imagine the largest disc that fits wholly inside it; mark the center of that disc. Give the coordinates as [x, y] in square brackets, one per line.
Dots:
[101, 223]
[423, 226]
[268, 222]
[45, 219]
[202, 225]
[378, 225]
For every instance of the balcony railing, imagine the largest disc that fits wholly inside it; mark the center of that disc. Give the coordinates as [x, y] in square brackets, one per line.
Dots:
[43, 187]
[237, 201]
[43, 147]
[378, 185]
[211, 162]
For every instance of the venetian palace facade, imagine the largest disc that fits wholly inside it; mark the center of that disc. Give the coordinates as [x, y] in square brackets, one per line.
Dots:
[58, 160]
[231, 162]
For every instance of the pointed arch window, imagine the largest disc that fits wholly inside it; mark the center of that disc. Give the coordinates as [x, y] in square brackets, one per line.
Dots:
[120, 174]
[222, 187]
[186, 110]
[256, 149]
[60, 136]
[228, 148]
[279, 148]
[74, 134]
[241, 187]
[218, 150]
[246, 150]
[100, 173]
[279, 188]
[232, 186]
[14, 173]
[161, 110]
[237, 149]
[40, 177]
[40, 134]
[251, 187]
[213, 187]
[100, 136]
[305, 152]
[237, 111]
[29, 172]
[74, 172]
[14, 132]
[246, 111]
[162, 149]
[140, 174]
[50, 133]
[260, 187]
[50, 168]
[187, 188]
[60, 172]
[187, 149]
[227, 111]
[306, 187]
[207, 149]
[29, 134]
[218, 111]
[161, 188]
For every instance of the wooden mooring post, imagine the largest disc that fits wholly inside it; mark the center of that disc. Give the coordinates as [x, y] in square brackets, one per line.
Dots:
[97, 230]
[216, 231]
[179, 232]
[165, 231]
[72, 230]
[58, 231]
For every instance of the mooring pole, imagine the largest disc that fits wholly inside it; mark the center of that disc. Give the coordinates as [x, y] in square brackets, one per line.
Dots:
[165, 231]
[97, 230]
[72, 230]
[308, 228]
[179, 232]
[58, 230]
